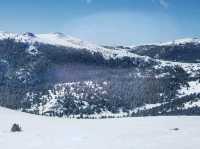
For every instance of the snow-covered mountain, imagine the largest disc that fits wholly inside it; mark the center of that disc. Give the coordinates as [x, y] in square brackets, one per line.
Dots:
[181, 42]
[59, 39]
[54, 74]
[181, 50]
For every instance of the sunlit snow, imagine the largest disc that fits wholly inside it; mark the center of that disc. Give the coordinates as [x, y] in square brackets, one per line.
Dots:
[41, 132]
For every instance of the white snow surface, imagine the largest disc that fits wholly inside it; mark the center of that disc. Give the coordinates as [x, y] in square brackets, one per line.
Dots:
[147, 107]
[191, 104]
[193, 88]
[32, 50]
[40, 132]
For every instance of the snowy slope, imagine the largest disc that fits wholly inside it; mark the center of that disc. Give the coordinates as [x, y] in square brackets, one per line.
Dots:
[140, 133]
[190, 68]
[192, 88]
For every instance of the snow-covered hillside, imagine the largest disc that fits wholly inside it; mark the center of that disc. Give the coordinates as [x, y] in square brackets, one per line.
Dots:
[57, 75]
[127, 133]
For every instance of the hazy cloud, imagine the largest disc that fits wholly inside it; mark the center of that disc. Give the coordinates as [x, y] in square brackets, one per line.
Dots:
[88, 1]
[162, 3]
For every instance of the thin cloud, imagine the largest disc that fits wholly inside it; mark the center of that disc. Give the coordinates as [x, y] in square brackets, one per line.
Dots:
[148, 26]
[162, 3]
[88, 1]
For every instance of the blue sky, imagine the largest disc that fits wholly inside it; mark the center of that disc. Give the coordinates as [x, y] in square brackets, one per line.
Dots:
[112, 22]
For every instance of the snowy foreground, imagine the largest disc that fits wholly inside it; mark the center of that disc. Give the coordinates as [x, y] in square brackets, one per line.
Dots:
[41, 132]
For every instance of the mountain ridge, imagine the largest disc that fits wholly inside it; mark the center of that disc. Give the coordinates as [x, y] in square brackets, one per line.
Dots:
[57, 75]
